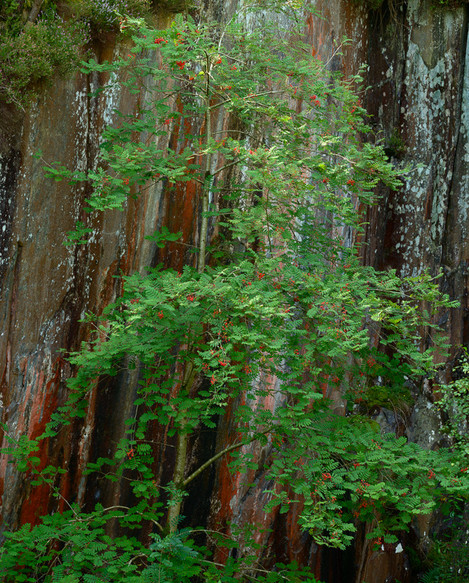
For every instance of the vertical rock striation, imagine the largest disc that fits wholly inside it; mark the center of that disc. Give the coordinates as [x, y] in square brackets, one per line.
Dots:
[416, 57]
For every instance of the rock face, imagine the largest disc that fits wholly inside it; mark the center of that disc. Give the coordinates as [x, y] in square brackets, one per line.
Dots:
[416, 57]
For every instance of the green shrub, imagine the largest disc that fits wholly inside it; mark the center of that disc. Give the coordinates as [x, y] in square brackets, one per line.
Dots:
[13, 14]
[449, 3]
[33, 56]
[106, 15]
[449, 557]
[393, 4]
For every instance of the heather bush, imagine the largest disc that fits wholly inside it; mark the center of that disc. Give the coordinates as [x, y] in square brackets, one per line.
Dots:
[14, 14]
[32, 57]
[32, 53]
[106, 15]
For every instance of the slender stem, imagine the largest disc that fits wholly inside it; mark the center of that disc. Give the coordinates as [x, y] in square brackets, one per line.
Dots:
[178, 479]
[221, 103]
[190, 376]
[207, 176]
[204, 223]
[217, 456]
[209, 462]
[178, 476]
[182, 446]
[33, 13]
[225, 167]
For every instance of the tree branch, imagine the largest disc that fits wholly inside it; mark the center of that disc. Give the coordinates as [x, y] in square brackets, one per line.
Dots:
[33, 13]
[217, 456]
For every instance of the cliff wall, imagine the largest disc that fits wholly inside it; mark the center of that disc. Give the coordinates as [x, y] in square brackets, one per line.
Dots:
[415, 55]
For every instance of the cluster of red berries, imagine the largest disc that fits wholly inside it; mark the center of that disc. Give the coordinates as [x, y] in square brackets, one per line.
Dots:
[315, 100]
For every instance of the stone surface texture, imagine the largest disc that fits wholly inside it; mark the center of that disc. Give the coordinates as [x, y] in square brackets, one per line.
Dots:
[417, 68]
